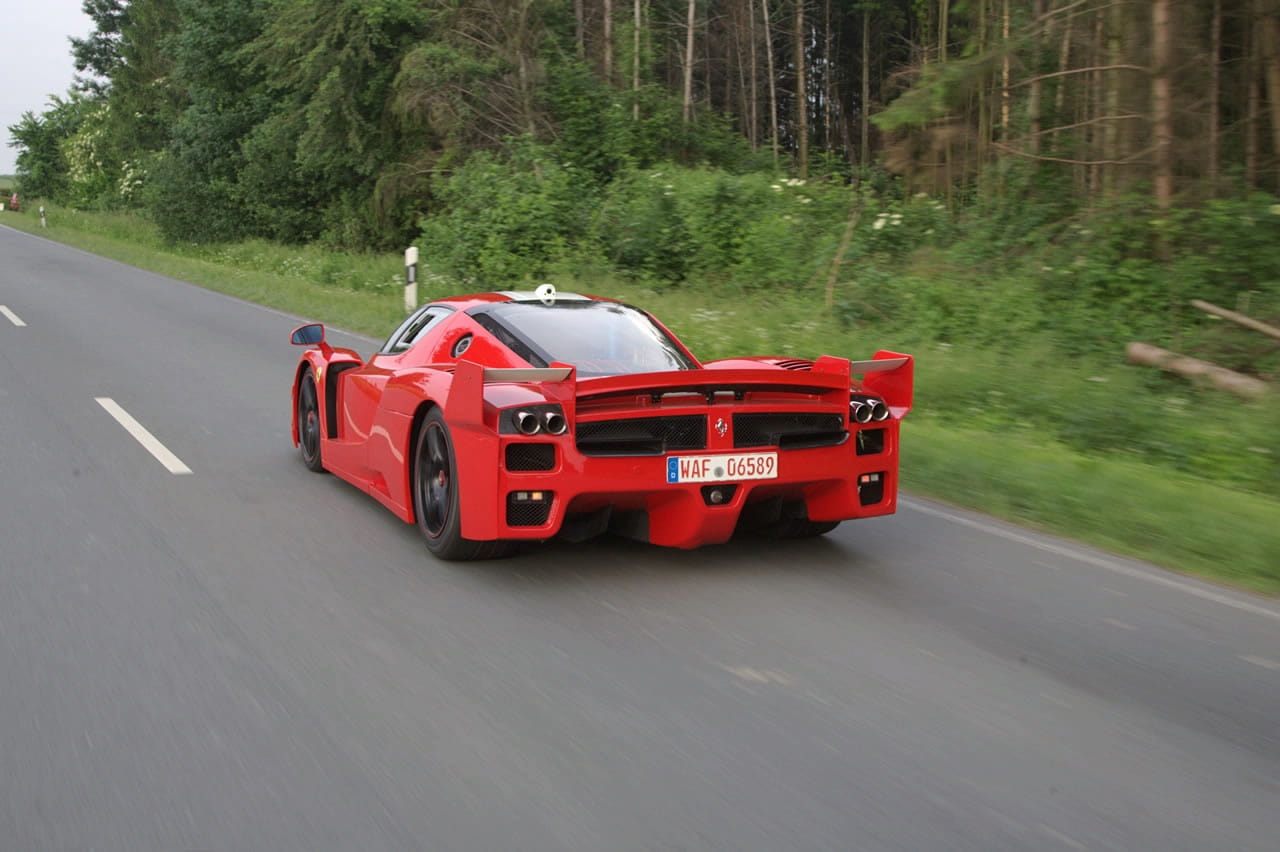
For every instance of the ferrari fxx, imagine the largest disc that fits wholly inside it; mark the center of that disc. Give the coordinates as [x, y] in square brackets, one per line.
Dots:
[495, 418]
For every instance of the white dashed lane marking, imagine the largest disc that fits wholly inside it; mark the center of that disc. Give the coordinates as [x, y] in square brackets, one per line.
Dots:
[149, 442]
[11, 316]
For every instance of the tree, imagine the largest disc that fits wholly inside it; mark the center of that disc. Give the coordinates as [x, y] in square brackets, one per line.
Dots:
[39, 140]
[197, 191]
[1162, 101]
[688, 62]
[99, 52]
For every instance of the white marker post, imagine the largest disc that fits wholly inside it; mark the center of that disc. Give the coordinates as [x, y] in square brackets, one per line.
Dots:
[410, 278]
[43, 223]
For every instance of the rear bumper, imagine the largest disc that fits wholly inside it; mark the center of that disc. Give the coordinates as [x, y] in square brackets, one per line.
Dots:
[580, 495]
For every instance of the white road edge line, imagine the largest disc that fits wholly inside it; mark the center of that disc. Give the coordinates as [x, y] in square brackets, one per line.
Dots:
[11, 316]
[1098, 561]
[142, 436]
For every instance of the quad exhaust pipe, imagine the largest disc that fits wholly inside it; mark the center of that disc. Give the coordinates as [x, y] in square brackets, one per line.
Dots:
[555, 422]
[528, 423]
[868, 410]
[531, 423]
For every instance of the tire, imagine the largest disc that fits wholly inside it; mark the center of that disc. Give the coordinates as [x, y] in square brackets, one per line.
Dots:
[308, 404]
[435, 497]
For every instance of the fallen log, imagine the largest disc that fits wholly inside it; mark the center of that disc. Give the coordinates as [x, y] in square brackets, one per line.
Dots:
[1221, 378]
[1238, 319]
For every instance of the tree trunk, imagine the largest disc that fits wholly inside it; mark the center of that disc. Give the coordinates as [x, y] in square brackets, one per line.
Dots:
[1064, 57]
[1004, 74]
[864, 117]
[1037, 86]
[983, 91]
[755, 76]
[802, 94]
[688, 64]
[773, 92]
[943, 12]
[635, 61]
[1093, 108]
[744, 108]
[1162, 101]
[579, 27]
[1237, 318]
[608, 41]
[525, 77]
[827, 76]
[1253, 109]
[1114, 82]
[1215, 95]
[943, 29]
[1221, 378]
[1270, 32]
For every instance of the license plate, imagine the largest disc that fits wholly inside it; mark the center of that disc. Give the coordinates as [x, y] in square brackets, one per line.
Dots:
[737, 466]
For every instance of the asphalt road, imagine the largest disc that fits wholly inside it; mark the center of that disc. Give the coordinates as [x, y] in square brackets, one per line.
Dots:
[248, 656]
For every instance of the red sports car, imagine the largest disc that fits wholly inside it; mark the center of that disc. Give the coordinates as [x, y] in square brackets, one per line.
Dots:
[492, 418]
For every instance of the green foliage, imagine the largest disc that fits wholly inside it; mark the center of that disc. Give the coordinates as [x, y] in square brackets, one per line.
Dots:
[99, 52]
[43, 171]
[194, 192]
[93, 168]
[335, 62]
[505, 221]
[1127, 271]
[751, 230]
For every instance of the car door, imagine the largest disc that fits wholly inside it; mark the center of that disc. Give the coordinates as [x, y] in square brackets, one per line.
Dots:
[361, 390]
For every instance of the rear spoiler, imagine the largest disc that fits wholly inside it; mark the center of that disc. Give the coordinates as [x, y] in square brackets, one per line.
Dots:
[894, 383]
[828, 377]
[888, 375]
[877, 365]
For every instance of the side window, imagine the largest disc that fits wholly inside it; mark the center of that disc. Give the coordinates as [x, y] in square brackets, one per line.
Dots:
[411, 329]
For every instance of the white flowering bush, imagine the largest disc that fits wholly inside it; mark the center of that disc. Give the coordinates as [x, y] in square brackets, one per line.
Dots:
[133, 177]
[92, 175]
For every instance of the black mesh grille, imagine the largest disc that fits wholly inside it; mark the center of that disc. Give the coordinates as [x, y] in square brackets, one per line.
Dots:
[531, 456]
[788, 431]
[642, 436]
[528, 513]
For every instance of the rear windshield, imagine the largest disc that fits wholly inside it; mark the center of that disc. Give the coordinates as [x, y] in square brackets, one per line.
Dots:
[599, 338]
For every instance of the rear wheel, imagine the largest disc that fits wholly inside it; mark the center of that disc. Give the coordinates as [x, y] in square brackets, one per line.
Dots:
[435, 497]
[309, 423]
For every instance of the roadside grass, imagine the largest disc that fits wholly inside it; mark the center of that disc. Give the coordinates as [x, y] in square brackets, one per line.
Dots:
[357, 292]
[1181, 522]
[1127, 460]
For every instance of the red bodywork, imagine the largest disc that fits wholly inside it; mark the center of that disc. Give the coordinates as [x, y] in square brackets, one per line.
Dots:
[370, 413]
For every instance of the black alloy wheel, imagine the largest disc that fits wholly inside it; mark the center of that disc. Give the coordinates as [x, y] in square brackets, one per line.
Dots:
[309, 423]
[435, 497]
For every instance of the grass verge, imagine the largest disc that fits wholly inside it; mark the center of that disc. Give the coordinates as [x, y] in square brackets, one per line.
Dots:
[1111, 500]
[1124, 506]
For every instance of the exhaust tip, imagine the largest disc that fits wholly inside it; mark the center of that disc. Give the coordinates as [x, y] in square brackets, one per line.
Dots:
[528, 423]
[879, 411]
[860, 412]
[555, 423]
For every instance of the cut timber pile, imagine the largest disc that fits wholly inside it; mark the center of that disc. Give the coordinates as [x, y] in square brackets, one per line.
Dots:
[1239, 384]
